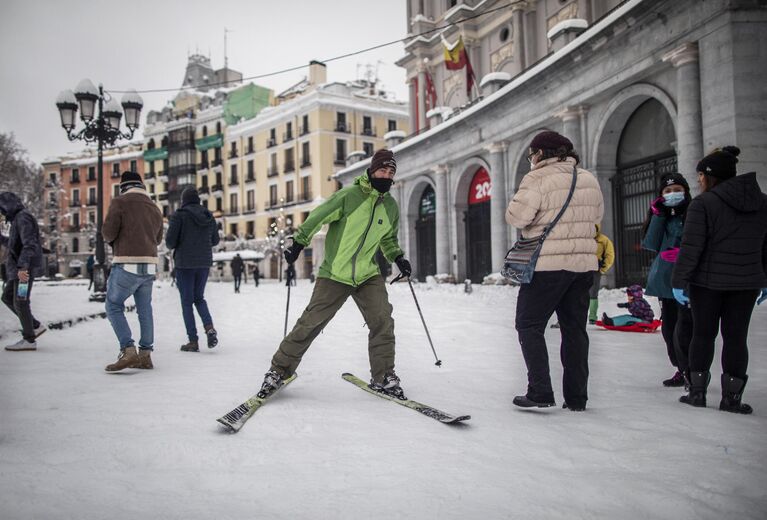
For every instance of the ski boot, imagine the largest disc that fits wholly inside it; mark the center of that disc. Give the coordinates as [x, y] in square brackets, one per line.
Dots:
[272, 381]
[389, 386]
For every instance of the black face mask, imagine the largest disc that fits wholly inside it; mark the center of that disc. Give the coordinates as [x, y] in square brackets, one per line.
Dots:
[381, 185]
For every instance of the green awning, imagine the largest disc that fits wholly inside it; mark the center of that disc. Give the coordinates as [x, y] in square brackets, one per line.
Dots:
[212, 141]
[157, 154]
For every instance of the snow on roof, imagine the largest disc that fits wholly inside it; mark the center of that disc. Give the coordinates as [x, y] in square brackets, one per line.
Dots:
[245, 254]
[443, 111]
[494, 76]
[394, 134]
[518, 81]
[566, 25]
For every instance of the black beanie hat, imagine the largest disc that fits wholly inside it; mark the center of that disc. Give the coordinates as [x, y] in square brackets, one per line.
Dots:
[549, 140]
[720, 163]
[670, 179]
[189, 196]
[130, 180]
[381, 159]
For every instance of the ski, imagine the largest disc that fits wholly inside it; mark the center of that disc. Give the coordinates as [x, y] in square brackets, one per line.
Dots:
[235, 419]
[426, 410]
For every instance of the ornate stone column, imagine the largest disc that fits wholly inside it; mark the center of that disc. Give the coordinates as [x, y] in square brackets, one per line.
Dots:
[574, 128]
[689, 124]
[498, 203]
[443, 236]
[529, 31]
[518, 36]
[398, 193]
[421, 91]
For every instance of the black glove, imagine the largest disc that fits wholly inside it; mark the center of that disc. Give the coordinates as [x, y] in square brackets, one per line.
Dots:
[404, 266]
[291, 253]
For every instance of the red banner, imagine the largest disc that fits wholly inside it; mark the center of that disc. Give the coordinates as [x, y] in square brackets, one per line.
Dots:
[479, 190]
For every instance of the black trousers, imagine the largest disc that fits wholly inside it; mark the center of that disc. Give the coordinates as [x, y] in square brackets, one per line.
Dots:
[677, 331]
[21, 308]
[567, 294]
[733, 309]
[237, 282]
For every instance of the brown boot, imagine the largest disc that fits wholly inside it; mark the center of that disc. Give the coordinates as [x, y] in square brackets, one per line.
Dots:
[145, 359]
[127, 359]
[192, 346]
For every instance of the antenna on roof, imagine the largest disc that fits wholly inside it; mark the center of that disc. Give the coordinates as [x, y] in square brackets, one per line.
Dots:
[226, 58]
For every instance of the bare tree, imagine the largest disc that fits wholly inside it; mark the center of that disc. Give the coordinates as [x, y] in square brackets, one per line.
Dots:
[18, 174]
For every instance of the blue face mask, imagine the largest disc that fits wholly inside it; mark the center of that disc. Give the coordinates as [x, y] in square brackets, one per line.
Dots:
[673, 199]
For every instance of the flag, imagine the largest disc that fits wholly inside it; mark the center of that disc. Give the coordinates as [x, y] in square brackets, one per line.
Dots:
[431, 92]
[455, 55]
[470, 79]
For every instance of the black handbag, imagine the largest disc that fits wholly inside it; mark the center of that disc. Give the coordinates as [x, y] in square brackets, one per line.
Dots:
[519, 264]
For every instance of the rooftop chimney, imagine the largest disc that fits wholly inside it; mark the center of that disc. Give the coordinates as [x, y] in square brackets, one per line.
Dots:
[317, 73]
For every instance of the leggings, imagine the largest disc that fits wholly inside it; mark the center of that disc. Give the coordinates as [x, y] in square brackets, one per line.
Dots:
[734, 309]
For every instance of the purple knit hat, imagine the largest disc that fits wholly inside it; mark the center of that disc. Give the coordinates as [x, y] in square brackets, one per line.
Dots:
[635, 291]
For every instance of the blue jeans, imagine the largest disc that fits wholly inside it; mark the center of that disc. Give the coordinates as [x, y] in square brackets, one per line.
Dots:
[120, 286]
[191, 287]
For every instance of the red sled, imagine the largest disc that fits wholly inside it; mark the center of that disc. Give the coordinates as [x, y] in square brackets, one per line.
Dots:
[635, 327]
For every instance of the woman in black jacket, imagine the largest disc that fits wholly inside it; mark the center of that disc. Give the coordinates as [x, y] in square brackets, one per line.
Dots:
[720, 271]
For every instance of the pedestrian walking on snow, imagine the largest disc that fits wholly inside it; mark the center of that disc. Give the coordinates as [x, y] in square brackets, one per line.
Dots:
[133, 227]
[361, 218]
[192, 234]
[237, 268]
[23, 264]
[721, 271]
[565, 269]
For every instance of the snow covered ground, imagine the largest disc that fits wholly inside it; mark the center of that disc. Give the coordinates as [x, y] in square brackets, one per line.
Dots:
[77, 442]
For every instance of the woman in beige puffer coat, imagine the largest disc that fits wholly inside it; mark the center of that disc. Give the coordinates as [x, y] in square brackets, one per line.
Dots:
[564, 271]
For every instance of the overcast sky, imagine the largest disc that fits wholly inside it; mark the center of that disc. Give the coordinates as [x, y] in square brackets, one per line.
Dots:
[50, 45]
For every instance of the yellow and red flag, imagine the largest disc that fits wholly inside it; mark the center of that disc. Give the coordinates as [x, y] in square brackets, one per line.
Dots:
[455, 56]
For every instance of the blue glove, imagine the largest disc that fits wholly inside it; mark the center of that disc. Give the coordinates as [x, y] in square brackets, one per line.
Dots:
[762, 297]
[681, 296]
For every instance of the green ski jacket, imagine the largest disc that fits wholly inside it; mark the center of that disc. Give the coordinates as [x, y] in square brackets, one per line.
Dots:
[361, 220]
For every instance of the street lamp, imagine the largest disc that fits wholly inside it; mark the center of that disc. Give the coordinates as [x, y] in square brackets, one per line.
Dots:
[280, 230]
[104, 129]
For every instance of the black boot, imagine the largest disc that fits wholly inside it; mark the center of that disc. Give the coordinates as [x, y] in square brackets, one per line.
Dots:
[525, 402]
[732, 390]
[698, 385]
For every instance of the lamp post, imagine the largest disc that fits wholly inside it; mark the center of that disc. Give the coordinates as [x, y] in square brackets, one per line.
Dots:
[102, 128]
[280, 229]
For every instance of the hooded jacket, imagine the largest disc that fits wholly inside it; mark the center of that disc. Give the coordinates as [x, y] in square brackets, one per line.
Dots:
[570, 246]
[664, 233]
[362, 220]
[192, 233]
[605, 251]
[23, 242]
[724, 243]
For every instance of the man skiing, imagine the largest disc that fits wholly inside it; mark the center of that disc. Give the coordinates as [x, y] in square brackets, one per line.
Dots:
[362, 218]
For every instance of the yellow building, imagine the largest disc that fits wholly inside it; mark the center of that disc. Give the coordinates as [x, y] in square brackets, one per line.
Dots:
[280, 164]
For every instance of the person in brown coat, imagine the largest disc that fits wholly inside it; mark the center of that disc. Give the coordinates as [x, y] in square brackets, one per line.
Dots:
[565, 269]
[133, 227]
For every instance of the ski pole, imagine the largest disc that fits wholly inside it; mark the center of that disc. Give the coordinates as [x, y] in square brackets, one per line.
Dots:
[439, 362]
[287, 308]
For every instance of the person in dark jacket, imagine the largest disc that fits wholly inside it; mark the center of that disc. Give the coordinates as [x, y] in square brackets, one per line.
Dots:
[237, 267]
[720, 271]
[256, 274]
[23, 264]
[662, 234]
[192, 233]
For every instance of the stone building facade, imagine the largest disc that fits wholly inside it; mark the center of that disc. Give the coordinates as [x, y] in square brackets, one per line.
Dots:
[641, 87]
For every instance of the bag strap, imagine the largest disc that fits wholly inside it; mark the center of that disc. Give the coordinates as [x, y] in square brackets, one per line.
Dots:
[548, 228]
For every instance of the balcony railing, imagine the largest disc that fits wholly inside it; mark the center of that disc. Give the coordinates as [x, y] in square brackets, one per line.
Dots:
[149, 175]
[215, 162]
[289, 167]
[342, 126]
[272, 171]
[233, 154]
[250, 150]
[369, 131]
[75, 203]
[271, 143]
[305, 196]
[75, 180]
[234, 181]
[217, 187]
[287, 137]
[91, 178]
[203, 165]
[91, 202]
[306, 161]
[303, 130]
[115, 174]
[251, 178]
[203, 189]
[162, 175]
